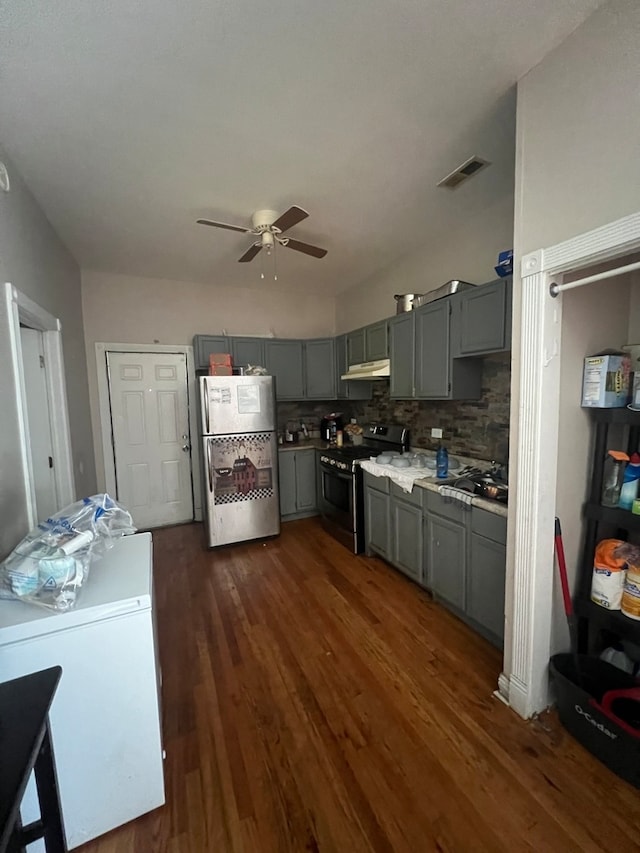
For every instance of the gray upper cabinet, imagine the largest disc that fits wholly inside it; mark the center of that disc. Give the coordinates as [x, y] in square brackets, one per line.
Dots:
[485, 318]
[283, 360]
[247, 351]
[348, 389]
[440, 376]
[433, 378]
[320, 369]
[204, 345]
[376, 342]
[355, 347]
[368, 344]
[401, 354]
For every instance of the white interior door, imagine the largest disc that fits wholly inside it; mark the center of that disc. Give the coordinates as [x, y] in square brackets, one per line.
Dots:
[152, 447]
[39, 426]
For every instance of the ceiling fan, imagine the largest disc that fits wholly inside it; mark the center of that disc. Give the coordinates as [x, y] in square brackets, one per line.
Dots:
[268, 227]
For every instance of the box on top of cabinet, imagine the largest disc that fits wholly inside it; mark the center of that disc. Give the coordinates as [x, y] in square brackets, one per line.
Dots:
[605, 380]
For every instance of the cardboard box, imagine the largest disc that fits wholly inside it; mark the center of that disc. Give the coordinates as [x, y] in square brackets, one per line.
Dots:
[223, 358]
[605, 380]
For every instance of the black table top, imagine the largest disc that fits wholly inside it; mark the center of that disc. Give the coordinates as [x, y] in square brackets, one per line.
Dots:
[24, 706]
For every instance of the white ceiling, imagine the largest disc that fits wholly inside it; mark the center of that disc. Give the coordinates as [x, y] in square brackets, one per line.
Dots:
[130, 119]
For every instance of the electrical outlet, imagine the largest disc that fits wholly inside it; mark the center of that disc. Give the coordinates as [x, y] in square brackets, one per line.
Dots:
[436, 432]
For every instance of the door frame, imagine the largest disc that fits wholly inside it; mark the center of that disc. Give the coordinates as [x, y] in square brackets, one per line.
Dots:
[22, 310]
[104, 408]
[524, 682]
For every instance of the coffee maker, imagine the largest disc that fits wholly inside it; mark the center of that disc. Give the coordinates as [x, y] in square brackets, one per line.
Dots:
[329, 427]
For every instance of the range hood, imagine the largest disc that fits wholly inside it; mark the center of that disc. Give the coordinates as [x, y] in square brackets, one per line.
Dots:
[368, 370]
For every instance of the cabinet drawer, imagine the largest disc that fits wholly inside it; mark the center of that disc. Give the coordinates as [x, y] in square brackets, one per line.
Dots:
[380, 484]
[489, 524]
[446, 508]
[414, 497]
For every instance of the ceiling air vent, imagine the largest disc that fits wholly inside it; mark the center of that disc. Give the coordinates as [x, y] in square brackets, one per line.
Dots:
[470, 167]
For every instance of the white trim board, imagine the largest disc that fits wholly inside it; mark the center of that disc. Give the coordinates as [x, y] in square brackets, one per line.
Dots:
[104, 409]
[532, 512]
[22, 310]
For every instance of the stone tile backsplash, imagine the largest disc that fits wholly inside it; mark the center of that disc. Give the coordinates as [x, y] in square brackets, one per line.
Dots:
[476, 428]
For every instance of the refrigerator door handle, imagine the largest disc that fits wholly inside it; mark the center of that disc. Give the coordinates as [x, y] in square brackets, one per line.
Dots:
[206, 404]
[209, 465]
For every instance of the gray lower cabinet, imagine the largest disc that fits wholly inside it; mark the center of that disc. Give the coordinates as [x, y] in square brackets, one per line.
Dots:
[486, 574]
[204, 345]
[320, 369]
[349, 389]
[283, 360]
[297, 476]
[446, 559]
[402, 355]
[407, 547]
[247, 351]
[485, 319]
[394, 524]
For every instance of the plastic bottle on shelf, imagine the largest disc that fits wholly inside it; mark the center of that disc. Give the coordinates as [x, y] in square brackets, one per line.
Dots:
[613, 476]
[442, 462]
[629, 490]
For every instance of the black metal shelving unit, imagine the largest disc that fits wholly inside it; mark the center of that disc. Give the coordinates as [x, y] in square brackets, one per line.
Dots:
[603, 522]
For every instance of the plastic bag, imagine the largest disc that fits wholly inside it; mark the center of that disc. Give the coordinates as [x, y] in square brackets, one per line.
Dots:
[52, 562]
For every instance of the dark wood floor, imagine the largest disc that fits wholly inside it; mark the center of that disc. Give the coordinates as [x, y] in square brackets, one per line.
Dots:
[315, 701]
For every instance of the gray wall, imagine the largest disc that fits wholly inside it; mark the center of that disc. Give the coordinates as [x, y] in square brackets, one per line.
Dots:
[35, 261]
[577, 168]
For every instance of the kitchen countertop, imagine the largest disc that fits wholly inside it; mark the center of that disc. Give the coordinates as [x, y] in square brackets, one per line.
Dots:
[431, 483]
[304, 444]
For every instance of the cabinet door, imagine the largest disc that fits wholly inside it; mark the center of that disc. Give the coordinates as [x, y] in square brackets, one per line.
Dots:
[306, 479]
[483, 319]
[320, 369]
[376, 509]
[401, 355]
[247, 351]
[432, 350]
[485, 584]
[355, 347]
[204, 345]
[406, 538]
[446, 558]
[348, 389]
[284, 362]
[376, 344]
[287, 478]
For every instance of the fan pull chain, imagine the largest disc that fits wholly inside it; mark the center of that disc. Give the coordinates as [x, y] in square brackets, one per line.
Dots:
[275, 263]
[261, 266]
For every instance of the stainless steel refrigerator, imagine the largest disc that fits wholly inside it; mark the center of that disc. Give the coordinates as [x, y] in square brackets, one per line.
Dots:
[240, 454]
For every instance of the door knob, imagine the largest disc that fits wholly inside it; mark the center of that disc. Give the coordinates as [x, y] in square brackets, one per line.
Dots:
[186, 448]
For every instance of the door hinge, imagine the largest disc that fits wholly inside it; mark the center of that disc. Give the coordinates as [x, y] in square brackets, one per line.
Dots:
[449, 387]
[41, 361]
[51, 462]
[450, 309]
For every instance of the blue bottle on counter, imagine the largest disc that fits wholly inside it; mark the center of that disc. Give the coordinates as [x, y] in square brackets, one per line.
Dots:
[442, 462]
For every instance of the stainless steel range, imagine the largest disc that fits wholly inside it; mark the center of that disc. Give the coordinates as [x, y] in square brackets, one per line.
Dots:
[341, 488]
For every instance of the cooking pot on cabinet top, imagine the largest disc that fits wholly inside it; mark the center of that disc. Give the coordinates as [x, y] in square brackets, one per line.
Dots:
[404, 301]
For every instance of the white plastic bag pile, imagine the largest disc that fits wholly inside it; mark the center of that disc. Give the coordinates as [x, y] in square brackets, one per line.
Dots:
[52, 562]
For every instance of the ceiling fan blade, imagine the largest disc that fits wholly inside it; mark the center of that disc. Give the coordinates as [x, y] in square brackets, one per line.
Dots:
[250, 254]
[314, 251]
[290, 218]
[223, 225]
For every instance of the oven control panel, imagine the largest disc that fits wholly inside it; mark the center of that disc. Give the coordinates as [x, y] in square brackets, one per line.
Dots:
[336, 463]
